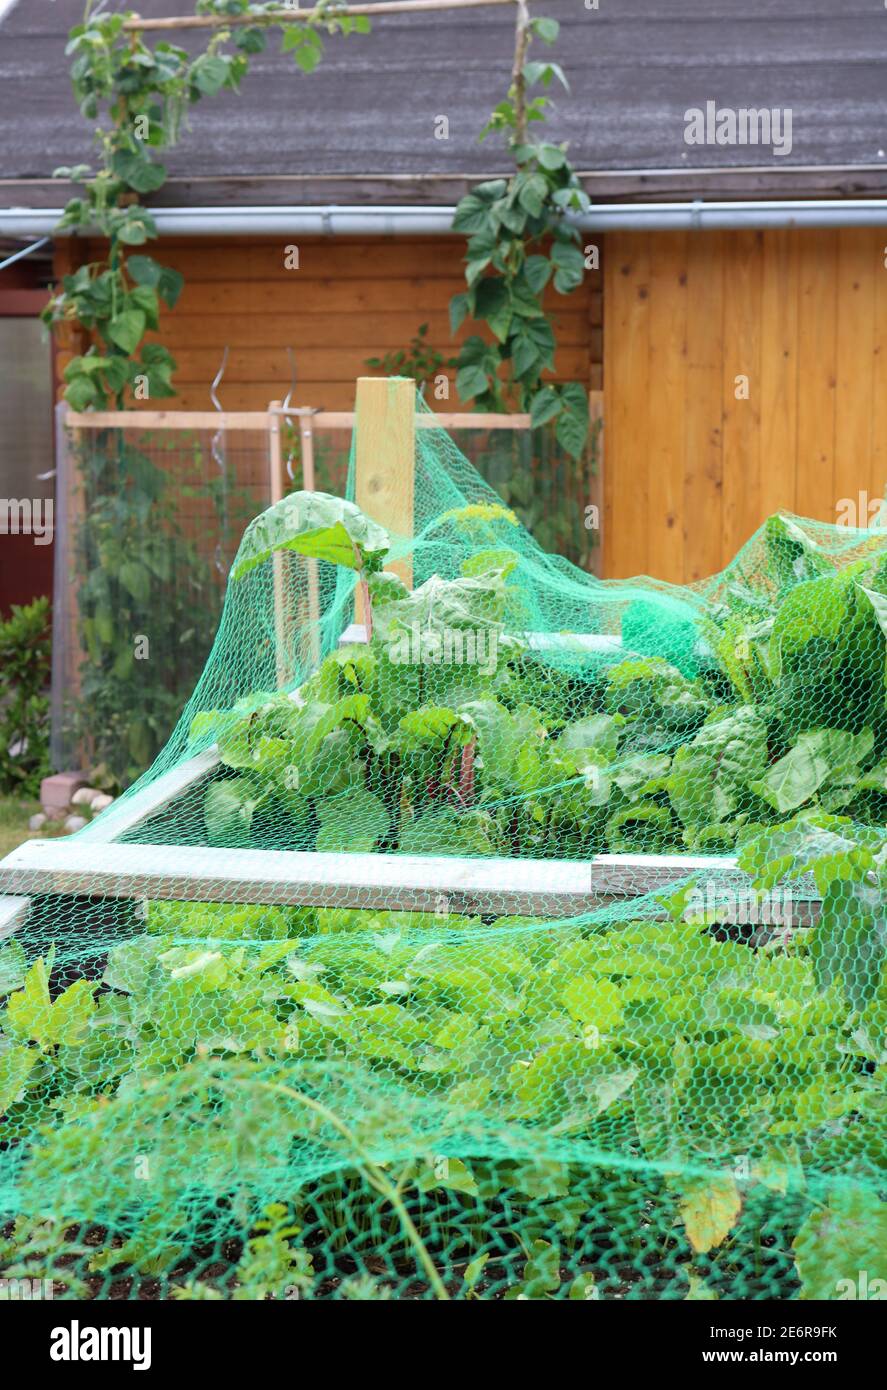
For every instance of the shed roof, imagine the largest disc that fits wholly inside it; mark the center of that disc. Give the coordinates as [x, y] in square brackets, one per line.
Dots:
[363, 127]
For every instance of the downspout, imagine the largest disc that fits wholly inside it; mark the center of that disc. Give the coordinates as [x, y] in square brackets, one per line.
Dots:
[336, 220]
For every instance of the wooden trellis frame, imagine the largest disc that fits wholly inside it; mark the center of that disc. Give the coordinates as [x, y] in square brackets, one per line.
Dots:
[97, 863]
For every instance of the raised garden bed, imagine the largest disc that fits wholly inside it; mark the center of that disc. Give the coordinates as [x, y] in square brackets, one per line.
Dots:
[373, 1071]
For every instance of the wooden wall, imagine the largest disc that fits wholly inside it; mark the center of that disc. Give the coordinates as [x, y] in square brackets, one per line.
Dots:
[690, 470]
[350, 299]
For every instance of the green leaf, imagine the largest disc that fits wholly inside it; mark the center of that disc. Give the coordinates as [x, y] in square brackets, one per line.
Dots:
[126, 329]
[449, 832]
[537, 270]
[351, 823]
[709, 775]
[15, 1067]
[570, 266]
[138, 171]
[386, 587]
[167, 282]
[445, 607]
[81, 392]
[473, 212]
[533, 191]
[493, 303]
[452, 1174]
[72, 1012]
[551, 156]
[598, 732]
[13, 967]
[474, 1270]
[142, 297]
[849, 941]
[879, 605]
[210, 73]
[29, 1012]
[475, 269]
[307, 57]
[315, 524]
[545, 29]
[136, 579]
[170, 286]
[814, 760]
[571, 429]
[432, 723]
[460, 307]
[700, 1292]
[135, 229]
[544, 406]
[470, 382]
[251, 40]
[840, 1245]
[524, 356]
[811, 842]
[228, 810]
[144, 270]
[594, 1001]
[542, 1270]
[116, 372]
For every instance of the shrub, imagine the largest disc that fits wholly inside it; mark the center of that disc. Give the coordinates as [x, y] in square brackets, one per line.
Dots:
[24, 705]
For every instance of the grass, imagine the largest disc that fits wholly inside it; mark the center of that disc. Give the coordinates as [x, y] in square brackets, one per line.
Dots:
[14, 816]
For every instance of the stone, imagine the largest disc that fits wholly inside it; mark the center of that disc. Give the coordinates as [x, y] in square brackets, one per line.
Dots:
[84, 795]
[75, 823]
[37, 822]
[58, 789]
[100, 801]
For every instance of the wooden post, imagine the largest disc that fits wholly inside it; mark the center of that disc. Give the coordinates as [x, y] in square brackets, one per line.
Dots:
[275, 462]
[596, 445]
[306, 438]
[385, 460]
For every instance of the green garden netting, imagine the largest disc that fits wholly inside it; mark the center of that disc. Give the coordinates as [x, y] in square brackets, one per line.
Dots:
[673, 1088]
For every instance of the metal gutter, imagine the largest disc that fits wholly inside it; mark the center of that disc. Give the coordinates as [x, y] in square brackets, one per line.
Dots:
[338, 220]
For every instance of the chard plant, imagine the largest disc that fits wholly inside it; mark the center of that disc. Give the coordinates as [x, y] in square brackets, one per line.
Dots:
[641, 754]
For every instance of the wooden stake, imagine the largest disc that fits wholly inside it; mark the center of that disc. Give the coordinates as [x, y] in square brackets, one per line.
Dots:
[385, 461]
[306, 437]
[293, 16]
[596, 429]
[275, 462]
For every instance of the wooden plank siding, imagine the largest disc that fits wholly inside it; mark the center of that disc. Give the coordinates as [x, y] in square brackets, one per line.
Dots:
[350, 299]
[692, 469]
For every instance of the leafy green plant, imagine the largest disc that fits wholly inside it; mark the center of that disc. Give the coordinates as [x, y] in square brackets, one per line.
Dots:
[24, 706]
[848, 863]
[419, 360]
[139, 94]
[397, 745]
[250, 1040]
[147, 601]
[519, 241]
[545, 486]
